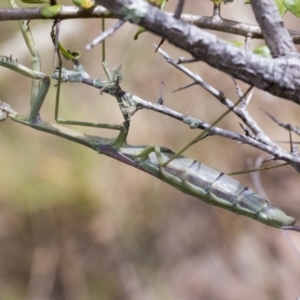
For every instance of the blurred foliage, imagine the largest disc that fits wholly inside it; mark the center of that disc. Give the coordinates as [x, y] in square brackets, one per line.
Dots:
[76, 225]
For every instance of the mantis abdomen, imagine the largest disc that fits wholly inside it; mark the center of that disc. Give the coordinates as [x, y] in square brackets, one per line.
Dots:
[214, 187]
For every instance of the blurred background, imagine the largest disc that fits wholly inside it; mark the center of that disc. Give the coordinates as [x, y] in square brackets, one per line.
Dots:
[77, 225]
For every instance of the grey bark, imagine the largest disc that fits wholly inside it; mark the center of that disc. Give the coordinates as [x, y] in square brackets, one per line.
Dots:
[279, 76]
[275, 34]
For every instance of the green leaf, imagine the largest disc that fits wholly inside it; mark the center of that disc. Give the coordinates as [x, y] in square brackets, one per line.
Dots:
[281, 7]
[228, 1]
[51, 11]
[86, 4]
[158, 3]
[236, 43]
[67, 54]
[263, 51]
[293, 6]
[139, 31]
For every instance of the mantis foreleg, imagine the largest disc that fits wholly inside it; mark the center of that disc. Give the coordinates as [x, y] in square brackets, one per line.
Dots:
[69, 56]
[35, 61]
[41, 93]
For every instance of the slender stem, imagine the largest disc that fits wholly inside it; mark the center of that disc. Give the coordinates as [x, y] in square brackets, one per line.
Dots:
[105, 34]
[60, 63]
[106, 71]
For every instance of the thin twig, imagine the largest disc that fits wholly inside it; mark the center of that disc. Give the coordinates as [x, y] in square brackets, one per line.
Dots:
[105, 35]
[204, 22]
[240, 112]
[179, 9]
[286, 126]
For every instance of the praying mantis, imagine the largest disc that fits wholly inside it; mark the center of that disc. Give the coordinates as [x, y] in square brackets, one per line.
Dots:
[185, 174]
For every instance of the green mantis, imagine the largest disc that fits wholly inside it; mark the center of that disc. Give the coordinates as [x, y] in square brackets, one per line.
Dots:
[185, 174]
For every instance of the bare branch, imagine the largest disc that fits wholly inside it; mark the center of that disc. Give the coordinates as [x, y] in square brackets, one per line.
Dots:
[179, 9]
[241, 111]
[104, 35]
[286, 126]
[66, 12]
[204, 22]
[280, 77]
